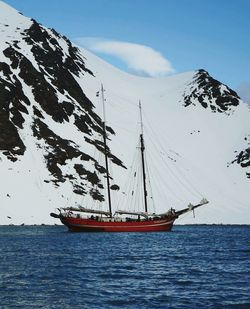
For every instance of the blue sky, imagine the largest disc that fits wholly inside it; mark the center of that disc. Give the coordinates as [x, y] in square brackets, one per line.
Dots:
[186, 34]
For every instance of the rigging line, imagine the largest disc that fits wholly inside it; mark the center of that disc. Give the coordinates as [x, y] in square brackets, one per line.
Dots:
[142, 149]
[184, 216]
[71, 196]
[182, 194]
[162, 184]
[137, 187]
[154, 133]
[100, 161]
[95, 154]
[129, 125]
[139, 197]
[133, 183]
[188, 182]
[133, 191]
[128, 181]
[134, 194]
[150, 191]
[104, 193]
[122, 128]
[197, 192]
[187, 185]
[124, 98]
[159, 187]
[166, 182]
[106, 150]
[150, 187]
[174, 177]
[130, 188]
[177, 167]
[112, 181]
[141, 175]
[180, 184]
[110, 103]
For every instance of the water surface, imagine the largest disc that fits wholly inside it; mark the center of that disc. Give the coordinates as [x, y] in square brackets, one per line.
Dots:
[190, 267]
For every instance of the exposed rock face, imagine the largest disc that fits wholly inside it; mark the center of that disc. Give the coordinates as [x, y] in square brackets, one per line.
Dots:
[13, 104]
[210, 93]
[49, 73]
[243, 157]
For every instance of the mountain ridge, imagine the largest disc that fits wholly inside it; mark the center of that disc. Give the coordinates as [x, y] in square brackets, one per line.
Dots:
[49, 109]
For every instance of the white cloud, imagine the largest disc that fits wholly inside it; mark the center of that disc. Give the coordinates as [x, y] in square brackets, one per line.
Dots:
[138, 58]
[243, 91]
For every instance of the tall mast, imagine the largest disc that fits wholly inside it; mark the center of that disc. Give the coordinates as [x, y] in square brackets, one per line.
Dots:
[105, 149]
[143, 161]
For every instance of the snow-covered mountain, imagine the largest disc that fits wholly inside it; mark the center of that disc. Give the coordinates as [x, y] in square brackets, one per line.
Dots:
[197, 132]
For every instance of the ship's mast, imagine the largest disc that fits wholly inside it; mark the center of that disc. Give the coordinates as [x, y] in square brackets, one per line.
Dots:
[105, 149]
[143, 161]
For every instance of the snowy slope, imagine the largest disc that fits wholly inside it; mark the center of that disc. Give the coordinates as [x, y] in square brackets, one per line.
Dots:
[196, 132]
[197, 145]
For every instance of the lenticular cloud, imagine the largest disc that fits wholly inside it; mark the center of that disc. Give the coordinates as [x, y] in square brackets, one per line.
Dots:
[138, 58]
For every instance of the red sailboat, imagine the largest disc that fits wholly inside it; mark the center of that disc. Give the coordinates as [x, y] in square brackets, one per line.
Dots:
[81, 219]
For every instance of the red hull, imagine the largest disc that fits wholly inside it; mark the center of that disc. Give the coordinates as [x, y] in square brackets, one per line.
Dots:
[89, 225]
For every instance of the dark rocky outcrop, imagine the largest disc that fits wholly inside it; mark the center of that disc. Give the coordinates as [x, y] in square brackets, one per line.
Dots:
[49, 71]
[243, 157]
[210, 93]
[58, 151]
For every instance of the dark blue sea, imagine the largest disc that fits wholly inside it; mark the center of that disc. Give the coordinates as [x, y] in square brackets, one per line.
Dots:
[190, 267]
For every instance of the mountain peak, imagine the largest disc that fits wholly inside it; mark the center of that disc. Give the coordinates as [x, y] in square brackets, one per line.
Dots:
[208, 92]
[39, 89]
